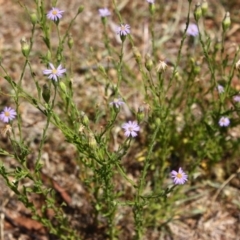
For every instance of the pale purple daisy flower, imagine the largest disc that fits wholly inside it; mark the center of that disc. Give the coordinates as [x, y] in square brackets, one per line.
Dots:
[131, 128]
[179, 177]
[192, 30]
[123, 29]
[54, 73]
[236, 98]
[150, 1]
[8, 114]
[220, 89]
[54, 14]
[104, 12]
[117, 102]
[224, 122]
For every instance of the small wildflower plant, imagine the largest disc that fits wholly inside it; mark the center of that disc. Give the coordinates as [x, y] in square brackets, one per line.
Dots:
[67, 138]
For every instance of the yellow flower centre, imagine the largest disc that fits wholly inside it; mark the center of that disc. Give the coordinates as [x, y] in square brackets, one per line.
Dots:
[7, 114]
[123, 28]
[54, 12]
[54, 71]
[179, 175]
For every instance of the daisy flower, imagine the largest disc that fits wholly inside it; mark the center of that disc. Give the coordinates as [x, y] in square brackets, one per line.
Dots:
[224, 122]
[123, 29]
[220, 89]
[192, 30]
[117, 102]
[131, 128]
[236, 98]
[104, 12]
[54, 73]
[179, 177]
[54, 14]
[150, 1]
[7, 114]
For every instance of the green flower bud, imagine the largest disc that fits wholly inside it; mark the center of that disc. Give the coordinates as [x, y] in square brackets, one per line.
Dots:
[63, 87]
[46, 93]
[196, 69]
[152, 8]
[92, 141]
[140, 114]
[137, 55]
[85, 119]
[197, 12]
[148, 63]
[226, 22]
[33, 18]
[70, 42]
[101, 68]
[25, 47]
[218, 46]
[204, 7]
[158, 121]
[48, 56]
[80, 9]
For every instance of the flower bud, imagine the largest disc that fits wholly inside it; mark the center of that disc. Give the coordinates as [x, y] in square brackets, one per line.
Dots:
[158, 121]
[85, 119]
[226, 22]
[148, 63]
[196, 69]
[48, 56]
[46, 93]
[101, 68]
[152, 8]
[63, 87]
[197, 12]
[92, 141]
[80, 9]
[140, 114]
[218, 45]
[137, 55]
[33, 18]
[204, 7]
[70, 42]
[25, 47]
